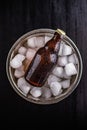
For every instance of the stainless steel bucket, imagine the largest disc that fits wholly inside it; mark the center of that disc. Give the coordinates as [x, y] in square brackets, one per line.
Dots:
[19, 42]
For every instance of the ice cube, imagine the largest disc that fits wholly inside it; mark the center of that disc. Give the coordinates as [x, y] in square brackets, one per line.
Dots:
[62, 61]
[20, 57]
[58, 71]
[73, 59]
[52, 78]
[16, 62]
[25, 89]
[40, 41]
[30, 54]
[23, 85]
[36, 92]
[70, 69]
[67, 50]
[65, 84]
[31, 42]
[21, 81]
[18, 73]
[22, 50]
[46, 93]
[65, 76]
[61, 48]
[47, 39]
[55, 88]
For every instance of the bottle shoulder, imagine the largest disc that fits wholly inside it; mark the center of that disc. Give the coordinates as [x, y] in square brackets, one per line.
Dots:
[41, 50]
[53, 46]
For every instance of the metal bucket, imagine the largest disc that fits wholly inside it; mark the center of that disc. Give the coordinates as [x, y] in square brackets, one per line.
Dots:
[19, 42]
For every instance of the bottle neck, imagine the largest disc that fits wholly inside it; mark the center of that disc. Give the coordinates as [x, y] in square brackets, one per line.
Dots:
[53, 45]
[56, 37]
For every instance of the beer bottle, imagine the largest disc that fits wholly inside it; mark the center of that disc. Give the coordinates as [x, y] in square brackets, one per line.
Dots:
[44, 61]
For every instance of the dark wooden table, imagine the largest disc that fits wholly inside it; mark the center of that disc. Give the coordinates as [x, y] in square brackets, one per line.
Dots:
[19, 17]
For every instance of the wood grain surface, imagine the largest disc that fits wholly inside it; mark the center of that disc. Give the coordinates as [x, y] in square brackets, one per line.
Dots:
[19, 17]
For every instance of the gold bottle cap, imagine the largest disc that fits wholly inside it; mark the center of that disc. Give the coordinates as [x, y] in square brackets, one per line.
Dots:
[61, 32]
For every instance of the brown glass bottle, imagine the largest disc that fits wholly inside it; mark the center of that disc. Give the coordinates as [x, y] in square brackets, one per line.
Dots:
[43, 62]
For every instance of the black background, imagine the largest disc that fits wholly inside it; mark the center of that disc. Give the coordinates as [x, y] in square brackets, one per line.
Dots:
[19, 17]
